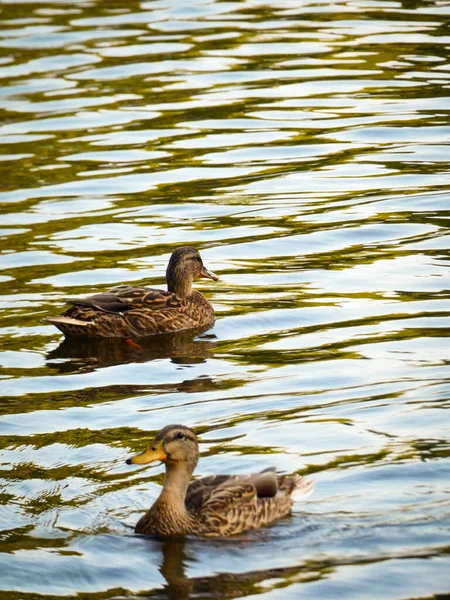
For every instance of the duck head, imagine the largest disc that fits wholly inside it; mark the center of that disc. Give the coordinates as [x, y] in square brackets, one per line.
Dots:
[175, 444]
[184, 266]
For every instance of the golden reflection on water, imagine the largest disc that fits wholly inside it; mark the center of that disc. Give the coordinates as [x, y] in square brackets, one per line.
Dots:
[302, 147]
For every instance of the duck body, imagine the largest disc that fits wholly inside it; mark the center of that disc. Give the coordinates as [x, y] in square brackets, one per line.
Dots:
[218, 505]
[129, 311]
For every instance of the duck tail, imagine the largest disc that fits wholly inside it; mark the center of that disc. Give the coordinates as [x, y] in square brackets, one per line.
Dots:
[302, 488]
[70, 326]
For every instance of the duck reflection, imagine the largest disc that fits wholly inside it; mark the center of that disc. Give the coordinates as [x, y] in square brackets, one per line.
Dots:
[176, 558]
[81, 354]
[179, 586]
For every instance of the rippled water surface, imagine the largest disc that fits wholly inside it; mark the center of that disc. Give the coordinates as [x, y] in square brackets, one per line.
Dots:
[302, 147]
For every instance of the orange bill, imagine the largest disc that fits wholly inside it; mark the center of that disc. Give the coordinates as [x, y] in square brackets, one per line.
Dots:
[152, 454]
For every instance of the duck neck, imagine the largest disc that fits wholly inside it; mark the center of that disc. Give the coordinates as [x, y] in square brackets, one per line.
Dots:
[179, 282]
[176, 482]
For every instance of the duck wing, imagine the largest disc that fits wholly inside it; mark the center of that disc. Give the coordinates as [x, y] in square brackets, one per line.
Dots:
[125, 297]
[107, 302]
[229, 505]
[200, 490]
[231, 508]
[265, 485]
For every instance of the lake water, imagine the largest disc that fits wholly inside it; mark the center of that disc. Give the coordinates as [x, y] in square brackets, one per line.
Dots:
[302, 147]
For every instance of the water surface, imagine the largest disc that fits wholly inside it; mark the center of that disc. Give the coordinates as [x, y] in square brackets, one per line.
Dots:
[302, 147]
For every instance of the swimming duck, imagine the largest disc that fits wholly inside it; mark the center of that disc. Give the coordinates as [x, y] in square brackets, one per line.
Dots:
[218, 505]
[127, 311]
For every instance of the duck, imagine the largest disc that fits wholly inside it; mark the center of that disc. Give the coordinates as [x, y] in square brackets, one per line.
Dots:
[216, 505]
[126, 311]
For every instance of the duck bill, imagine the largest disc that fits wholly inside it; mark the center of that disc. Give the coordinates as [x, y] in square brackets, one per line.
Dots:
[152, 454]
[207, 274]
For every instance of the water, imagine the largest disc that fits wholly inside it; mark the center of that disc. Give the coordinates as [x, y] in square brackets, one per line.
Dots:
[302, 147]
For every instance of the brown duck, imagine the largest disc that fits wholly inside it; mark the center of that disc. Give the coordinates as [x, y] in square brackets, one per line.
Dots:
[218, 505]
[127, 311]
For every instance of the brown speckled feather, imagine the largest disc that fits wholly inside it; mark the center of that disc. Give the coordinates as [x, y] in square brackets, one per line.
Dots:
[233, 504]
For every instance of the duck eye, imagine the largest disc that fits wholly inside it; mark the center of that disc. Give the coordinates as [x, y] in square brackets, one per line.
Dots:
[180, 436]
